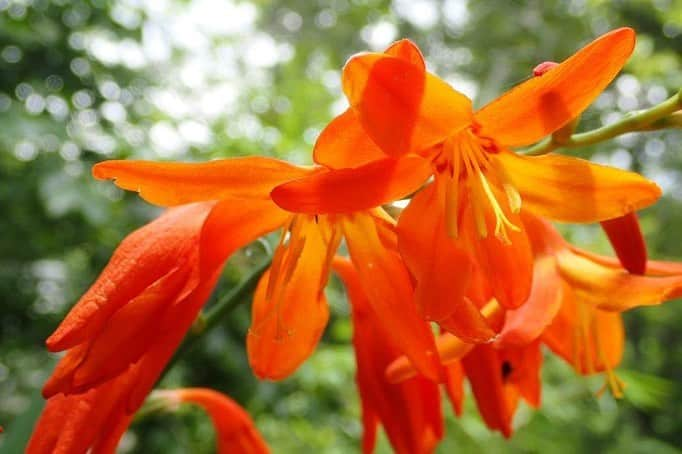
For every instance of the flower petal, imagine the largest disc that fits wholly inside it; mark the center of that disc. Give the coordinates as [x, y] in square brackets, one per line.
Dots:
[403, 108]
[569, 189]
[344, 143]
[454, 386]
[415, 431]
[387, 285]
[289, 315]
[236, 432]
[627, 241]
[496, 402]
[351, 190]
[441, 268]
[508, 267]
[543, 104]
[176, 183]
[525, 324]
[614, 289]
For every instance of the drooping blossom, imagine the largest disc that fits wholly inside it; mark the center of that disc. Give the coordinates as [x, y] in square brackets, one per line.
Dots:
[235, 430]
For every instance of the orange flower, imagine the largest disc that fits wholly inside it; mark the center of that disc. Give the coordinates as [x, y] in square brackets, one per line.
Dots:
[289, 309]
[409, 412]
[469, 216]
[586, 328]
[126, 327]
[236, 432]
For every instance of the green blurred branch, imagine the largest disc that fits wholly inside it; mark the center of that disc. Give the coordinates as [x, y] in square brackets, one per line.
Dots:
[662, 116]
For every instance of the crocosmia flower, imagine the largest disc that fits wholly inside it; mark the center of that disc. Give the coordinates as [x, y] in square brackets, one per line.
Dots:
[289, 308]
[468, 217]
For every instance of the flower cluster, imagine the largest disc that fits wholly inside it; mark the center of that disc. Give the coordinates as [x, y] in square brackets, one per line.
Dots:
[473, 254]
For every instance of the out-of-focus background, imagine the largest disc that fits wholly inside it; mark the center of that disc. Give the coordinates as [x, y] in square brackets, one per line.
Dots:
[83, 81]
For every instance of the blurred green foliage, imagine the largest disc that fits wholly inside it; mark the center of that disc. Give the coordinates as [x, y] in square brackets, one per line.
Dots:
[82, 81]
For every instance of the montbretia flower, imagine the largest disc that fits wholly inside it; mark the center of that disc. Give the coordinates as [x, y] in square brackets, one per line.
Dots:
[585, 328]
[235, 431]
[468, 217]
[410, 412]
[126, 327]
[289, 309]
[574, 307]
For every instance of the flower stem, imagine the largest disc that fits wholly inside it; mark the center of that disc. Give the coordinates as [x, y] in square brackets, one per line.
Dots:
[662, 116]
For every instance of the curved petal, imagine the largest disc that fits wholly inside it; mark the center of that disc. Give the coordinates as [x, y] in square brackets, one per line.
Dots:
[441, 268]
[525, 324]
[569, 189]
[351, 190]
[344, 143]
[236, 432]
[543, 104]
[289, 314]
[387, 285]
[403, 108]
[614, 289]
[627, 241]
[408, 51]
[177, 183]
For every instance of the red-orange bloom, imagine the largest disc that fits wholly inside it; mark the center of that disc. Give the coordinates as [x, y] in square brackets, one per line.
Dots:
[123, 331]
[586, 328]
[469, 216]
[410, 412]
[236, 433]
[289, 310]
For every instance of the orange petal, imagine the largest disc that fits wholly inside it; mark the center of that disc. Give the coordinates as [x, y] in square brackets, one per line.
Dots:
[289, 315]
[408, 51]
[614, 289]
[441, 267]
[569, 189]
[542, 105]
[521, 369]
[627, 241]
[236, 432]
[176, 183]
[387, 285]
[344, 143]
[508, 267]
[350, 190]
[415, 431]
[496, 402]
[454, 386]
[141, 259]
[403, 108]
[525, 324]
[589, 339]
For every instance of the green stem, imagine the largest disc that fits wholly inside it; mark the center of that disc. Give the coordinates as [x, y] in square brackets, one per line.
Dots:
[662, 116]
[206, 321]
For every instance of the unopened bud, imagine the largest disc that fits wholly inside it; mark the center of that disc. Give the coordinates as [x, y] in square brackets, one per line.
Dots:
[543, 67]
